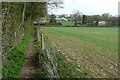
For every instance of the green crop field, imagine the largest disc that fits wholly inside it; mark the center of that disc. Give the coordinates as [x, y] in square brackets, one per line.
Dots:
[66, 23]
[93, 49]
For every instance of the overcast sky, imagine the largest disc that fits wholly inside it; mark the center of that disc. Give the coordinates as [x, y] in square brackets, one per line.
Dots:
[89, 7]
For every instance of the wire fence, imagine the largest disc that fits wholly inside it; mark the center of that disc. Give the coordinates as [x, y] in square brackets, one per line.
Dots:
[47, 58]
[54, 62]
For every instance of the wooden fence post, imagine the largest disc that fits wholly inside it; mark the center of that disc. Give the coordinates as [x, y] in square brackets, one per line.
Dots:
[38, 35]
[15, 38]
[42, 42]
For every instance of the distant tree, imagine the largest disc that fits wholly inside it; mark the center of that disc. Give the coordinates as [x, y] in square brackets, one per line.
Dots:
[96, 22]
[93, 20]
[106, 18]
[113, 21]
[84, 19]
[63, 15]
[97, 19]
[52, 18]
[90, 20]
[77, 17]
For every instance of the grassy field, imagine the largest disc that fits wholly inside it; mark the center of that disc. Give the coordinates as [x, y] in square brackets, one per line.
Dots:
[92, 49]
[66, 23]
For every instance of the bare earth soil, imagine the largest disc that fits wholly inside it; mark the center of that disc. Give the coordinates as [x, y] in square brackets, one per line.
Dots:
[28, 69]
[93, 49]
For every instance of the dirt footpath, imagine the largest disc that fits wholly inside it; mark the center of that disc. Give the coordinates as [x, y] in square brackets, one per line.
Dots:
[28, 68]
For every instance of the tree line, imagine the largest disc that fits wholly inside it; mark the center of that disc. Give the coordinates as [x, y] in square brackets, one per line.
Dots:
[17, 15]
[90, 20]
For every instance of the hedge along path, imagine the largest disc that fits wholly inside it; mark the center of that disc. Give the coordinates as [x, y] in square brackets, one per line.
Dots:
[28, 68]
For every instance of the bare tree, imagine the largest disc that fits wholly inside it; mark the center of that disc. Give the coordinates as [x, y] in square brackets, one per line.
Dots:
[54, 4]
[77, 16]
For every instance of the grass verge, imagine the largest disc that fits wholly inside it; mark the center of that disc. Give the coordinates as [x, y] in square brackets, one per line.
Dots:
[15, 58]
